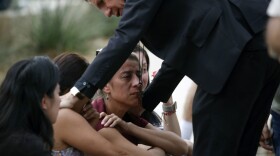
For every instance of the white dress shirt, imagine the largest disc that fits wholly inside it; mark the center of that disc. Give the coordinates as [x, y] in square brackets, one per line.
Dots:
[274, 8]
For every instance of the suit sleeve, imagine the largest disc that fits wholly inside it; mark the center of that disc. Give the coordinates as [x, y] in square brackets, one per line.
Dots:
[161, 87]
[137, 16]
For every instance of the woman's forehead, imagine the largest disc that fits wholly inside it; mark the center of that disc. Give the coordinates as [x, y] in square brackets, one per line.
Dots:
[130, 64]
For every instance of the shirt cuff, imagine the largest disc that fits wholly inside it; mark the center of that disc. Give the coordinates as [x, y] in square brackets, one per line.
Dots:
[274, 8]
[86, 88]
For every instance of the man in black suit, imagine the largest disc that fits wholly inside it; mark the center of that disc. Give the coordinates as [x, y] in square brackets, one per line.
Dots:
[218, 44]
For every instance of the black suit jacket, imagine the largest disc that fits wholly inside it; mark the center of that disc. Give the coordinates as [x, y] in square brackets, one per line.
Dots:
[198, 38]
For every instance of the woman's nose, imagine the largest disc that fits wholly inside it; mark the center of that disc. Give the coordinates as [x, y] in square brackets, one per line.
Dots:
[137, 81]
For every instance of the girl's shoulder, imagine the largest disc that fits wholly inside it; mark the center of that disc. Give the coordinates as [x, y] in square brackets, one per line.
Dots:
[66, 114]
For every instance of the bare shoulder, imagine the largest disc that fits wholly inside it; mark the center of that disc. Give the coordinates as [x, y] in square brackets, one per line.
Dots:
[66, 114]
[67, 118]
[69, 125]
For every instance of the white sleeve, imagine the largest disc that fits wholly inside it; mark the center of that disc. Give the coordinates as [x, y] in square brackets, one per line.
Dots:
[274, 8]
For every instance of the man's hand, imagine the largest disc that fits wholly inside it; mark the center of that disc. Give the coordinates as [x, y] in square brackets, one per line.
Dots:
[90, 113]
[69, 101]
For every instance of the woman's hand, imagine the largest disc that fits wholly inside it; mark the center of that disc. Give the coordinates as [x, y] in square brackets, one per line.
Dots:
[113, 120]
[265, 140]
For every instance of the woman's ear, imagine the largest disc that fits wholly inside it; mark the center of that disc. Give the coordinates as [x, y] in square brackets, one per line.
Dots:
[43, 103]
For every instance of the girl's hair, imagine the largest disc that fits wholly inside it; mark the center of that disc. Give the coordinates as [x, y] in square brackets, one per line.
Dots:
[151, 117]
[71, 67]
[21, 93]
[139, 49]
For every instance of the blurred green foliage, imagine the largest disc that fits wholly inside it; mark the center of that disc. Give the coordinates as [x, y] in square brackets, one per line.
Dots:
[73, 26]
[69, 28]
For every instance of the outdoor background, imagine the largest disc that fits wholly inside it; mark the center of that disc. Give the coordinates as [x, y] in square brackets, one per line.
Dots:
[50, 27]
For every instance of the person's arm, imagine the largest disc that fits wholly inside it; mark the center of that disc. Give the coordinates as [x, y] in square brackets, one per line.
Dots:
[186, 123]
[170, 120]
[112, 135]
[150, 135]
[187, 113]
[266, 138]
[90, 114]
[168, 141]
[273, 35]
[68, 100]
[273, 28]
[167, 78]
[72, 129]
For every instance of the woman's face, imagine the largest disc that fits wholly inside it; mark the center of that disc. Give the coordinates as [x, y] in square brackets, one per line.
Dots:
[124, 86]
[51, 105]
[144, 66]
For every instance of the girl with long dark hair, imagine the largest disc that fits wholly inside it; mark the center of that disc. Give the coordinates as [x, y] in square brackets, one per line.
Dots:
[29, 103]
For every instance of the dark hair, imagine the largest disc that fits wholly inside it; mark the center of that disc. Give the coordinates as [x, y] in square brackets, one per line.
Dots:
[139, 49]
[151, 117]
[21, 93]
[71, 67]
[100, 93]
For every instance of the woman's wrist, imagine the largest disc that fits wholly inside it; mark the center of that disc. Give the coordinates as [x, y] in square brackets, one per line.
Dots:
[170, 108]
[127, 127]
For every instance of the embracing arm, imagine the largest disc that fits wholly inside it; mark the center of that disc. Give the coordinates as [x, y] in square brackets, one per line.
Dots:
[118, 140]
[73, 130]
[168, 141]
[150, 135]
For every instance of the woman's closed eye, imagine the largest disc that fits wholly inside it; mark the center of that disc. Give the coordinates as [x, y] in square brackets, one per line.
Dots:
[126, 75]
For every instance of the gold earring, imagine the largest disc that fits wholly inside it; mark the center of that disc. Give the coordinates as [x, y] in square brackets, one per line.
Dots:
[107, 97]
